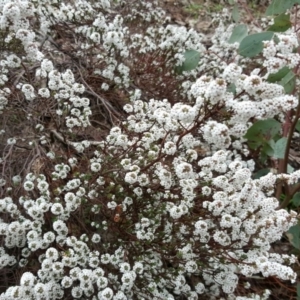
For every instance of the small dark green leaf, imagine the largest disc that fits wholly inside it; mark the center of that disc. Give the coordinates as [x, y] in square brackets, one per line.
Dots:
[279, 148]
[298, 291]
[235, 14]
[238, 33]
[279, 75]
[192, 58]
[288, 82]
[261, 173]
[280, 6]
[298, 126]
[293, 235]
[263, 130]
[252, 44]
[296, 199]
[281, 23]
[267, 149]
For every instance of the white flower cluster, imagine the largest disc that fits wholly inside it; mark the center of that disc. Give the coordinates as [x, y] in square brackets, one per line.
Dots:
[166, 195]
[281, 53]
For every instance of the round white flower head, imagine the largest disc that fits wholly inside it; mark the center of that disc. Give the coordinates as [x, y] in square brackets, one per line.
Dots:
[131, 177]
[107, 293]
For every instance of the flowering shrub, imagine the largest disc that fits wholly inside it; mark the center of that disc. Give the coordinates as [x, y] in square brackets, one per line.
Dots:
[127, 170]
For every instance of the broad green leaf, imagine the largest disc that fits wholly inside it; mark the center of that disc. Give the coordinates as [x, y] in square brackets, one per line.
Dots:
[231, 2]
[296, 199]
[280, 147]
[298, 126]
[298, 291]
[267, 149]
[290, 169]
[252, 44]
[293, 235]
[279, 75]
[238, 33]
[261, 173]
[192, 58]
[288, 82]
[280, 6]
[263, 130]
[235, 14]
[281, 23]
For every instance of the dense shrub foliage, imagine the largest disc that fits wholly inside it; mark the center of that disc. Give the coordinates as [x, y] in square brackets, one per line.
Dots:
[129, 149]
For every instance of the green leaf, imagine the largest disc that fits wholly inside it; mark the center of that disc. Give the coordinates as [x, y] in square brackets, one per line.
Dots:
[298, 126]
[191, 60]
[288, 82]
[279, 75]
[290, 169]
[263, 130]
[293, 235]
[238, 33]
[231, 88]
[296, 199]
[280, 147]
[280, 6]
[298, 291]
[235, 14]
[267, 149]
[252, 44]
[281, 23]
[261, 173]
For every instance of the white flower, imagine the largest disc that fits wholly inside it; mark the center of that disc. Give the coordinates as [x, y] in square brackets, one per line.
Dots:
[170, 148]
[28, 91]
[47, 65]
[102, 282]
[124, 267]
[52, 254]
[49, 237]
[11, 141]
[57, 209]
[131, 177]
[66, 282]
[28, 185]
[176, 212]
[184, 171]
[96, 238]
[191, 266]
[95, 167]
[28, 279]
[44, 92]
[106, 294]
[128, 278]
[43, 186]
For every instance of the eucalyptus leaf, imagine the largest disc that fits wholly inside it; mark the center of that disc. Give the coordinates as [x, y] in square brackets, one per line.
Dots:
[298, 126]
[293, 235]
[278, 75]
[288, 82]
[263, 130]
[191, 60]
[281, 23]
[252, 44]
[280, 147]
[238, 33]
[280, 6]
[235, 14]
[296, 199]
[261, 173]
